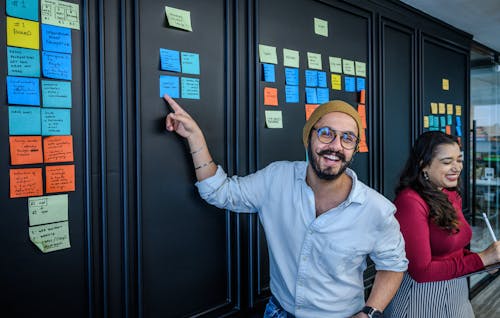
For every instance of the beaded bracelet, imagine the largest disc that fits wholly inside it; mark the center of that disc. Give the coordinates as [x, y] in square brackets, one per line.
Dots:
[196, 151]
[203, 165]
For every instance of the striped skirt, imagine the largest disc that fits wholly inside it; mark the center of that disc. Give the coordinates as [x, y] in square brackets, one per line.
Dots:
[443, 299]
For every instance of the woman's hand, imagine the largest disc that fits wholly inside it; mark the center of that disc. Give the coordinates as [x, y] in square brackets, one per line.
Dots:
[180, 121]
[491, 255]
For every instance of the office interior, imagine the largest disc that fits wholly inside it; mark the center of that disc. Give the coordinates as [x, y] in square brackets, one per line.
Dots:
[139, 240]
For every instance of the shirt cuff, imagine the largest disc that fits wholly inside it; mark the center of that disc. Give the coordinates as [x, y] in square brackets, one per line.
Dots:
[212, 183]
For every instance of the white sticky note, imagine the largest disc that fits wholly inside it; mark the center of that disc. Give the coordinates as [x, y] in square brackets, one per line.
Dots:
[314, 61]
[335, 64]
[274, 119]
[360, 68]
[321, 27]
[48, 209]
[291, 58]
[348, 67]
[60, 13]
[50, 237]
[267, 54]
[178, 18]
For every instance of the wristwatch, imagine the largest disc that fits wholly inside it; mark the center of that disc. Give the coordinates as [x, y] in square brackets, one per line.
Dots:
[372, 312]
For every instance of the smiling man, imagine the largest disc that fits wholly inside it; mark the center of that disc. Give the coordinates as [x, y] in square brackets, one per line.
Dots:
[320, 225]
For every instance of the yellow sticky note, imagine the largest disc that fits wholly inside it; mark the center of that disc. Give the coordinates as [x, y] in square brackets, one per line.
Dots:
[442, 108]
[360, 68]
[291, 58]
[446, 84]
[50, 237]
[335, 64]
[458, 110]
[23, 33]
[336, 82]
[434, 108]
[321, 27]
[314, 61]
[274, 119]
[267, 54]
[426, 121]
[178, 18]
[449, 109]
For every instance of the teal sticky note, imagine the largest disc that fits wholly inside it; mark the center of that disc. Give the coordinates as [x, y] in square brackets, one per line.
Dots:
[56, 65]
[311, 78]
[24, 120]
[311, 96]
[322, 94]
[322, 79]
[291, 76]
[56, 122]
[56, 39]
[449, 119]
[190, 88]
[56, 94]
[349, 84]
[169, 85]
[23, 91]
[190, 63]
[360, 84]
[169, 60]
[291, 94]
[23, 62]
[436, 122]
[443, 121]
[25, 9]
[268, 71]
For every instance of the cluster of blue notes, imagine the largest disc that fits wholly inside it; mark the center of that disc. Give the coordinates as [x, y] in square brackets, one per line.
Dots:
[24, 120]
[56, 94]
[56, 39]
[268, 72]
[175, 61]
[56, 122]
[170, 60]
[360, 84]
[349, 84]
[291, 93]
[23, 62]
[190, 88]
[23, 91]
[169, 85]
[56, 65]
[190, 63]
[25, 9]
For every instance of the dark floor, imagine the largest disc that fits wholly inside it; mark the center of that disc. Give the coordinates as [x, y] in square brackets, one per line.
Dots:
[487, 303]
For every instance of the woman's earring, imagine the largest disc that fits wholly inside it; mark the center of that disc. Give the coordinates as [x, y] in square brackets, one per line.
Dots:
[426, 175]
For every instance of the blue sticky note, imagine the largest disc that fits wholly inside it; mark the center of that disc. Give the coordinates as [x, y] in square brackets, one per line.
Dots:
[458, 129]
[291, 93]
[311, 96]
[190, 88]
[23, 91]
[323, 96]
[56, 122]
[443, 121]
[24, 120]
[56, 94]
[291, 76]
[268, 71]
[311, 78]
[322, 79]
[56, 39]
[360, 84]
[458, 120]
[350, 84]
[25, 9]
[169, 85]
[56, 65]
[170, 60]
[449, 120]
[23, 62]
[436, 122]
[190, 63]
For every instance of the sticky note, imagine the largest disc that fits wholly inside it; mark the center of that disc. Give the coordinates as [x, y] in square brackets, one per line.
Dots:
[273, 119]
[446, 84]
[267, 54]
[268, 72]
[56, 94]
[23, 62]
[349, 84]
[170, 60]
[190, 63]
[335, 64]
[58, 149]
[291, 94]
[26, 182]
[458, 110]
[56, 122]
[314, 61]
[449, 109]
[311, 78]
[442, 120]
[179, 18]
[24, 120]
[311, 96]
[56, 39]
[190, 88]
[56, 65]
[50, 237]
[270, 96]
[360, 68]
[426, 121]
[60, 178]
[363, 147]
[291, 58]
[60, 13]
[169, 85]
[310, 108]
[449, 120]
[22, 33]
[322, 79]
[442, 108]
[362, 96]
[458, 130]
[291, 76]
[25, 9]
[48, 209]
[25, 150]
[360, 84]
[336, 82]
[348, 67]
[23, 91]
[434, 108]
[322, 95]
[448, 129]
[321, 27]
[458, 121]
[362, 114]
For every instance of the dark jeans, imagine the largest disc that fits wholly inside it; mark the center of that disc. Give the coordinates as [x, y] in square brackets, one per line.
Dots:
[274, 310]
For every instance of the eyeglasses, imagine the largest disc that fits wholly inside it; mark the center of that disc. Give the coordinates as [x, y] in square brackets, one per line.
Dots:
[326, 135]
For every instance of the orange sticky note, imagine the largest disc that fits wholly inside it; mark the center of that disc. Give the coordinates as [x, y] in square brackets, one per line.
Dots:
[448, 129]
[25, 182]
[270, 96]
[58, 149]
[25, 149]
[60, 178]
[310, 109]
[362, 114]
[362, 96]
[362, 147]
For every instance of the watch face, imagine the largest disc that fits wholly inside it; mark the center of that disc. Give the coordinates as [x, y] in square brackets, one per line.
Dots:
[377, 314]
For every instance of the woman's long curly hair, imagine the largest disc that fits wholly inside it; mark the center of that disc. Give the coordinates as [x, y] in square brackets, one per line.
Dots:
[423, 152]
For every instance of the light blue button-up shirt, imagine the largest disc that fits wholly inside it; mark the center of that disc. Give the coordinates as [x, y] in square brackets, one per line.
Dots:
[316, 263]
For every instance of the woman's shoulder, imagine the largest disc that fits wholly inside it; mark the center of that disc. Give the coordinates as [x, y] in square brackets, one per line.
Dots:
[410, 197]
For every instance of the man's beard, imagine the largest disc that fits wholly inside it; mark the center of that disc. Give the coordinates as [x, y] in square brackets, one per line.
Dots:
[326, 174]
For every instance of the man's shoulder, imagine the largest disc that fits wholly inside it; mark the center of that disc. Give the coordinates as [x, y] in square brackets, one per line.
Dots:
[373, 197]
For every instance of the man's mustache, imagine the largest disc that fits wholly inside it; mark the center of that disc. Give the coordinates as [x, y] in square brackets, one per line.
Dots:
[331, 152]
